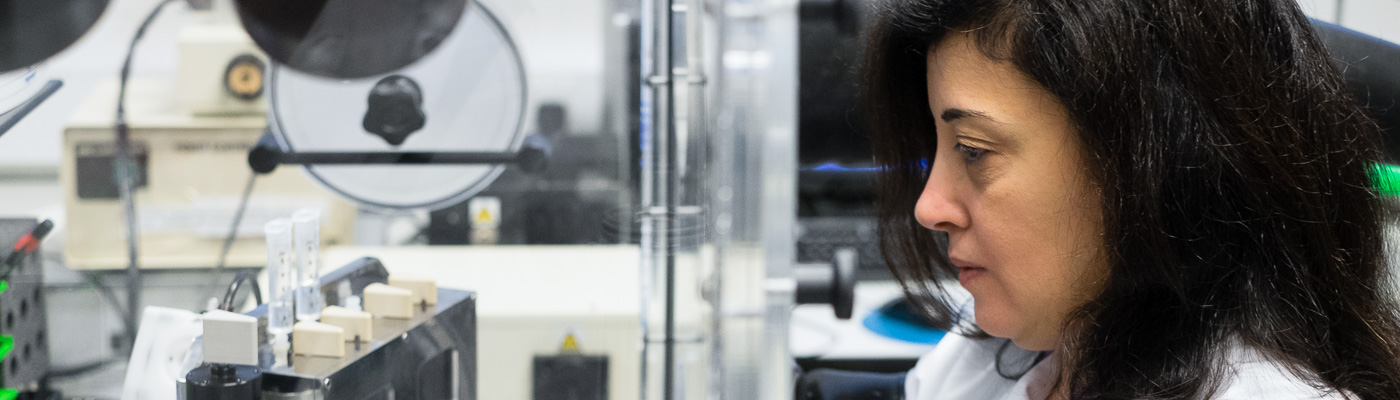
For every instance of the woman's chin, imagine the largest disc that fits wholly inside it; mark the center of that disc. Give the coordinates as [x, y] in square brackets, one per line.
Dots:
[995, 321]
[1002, 324]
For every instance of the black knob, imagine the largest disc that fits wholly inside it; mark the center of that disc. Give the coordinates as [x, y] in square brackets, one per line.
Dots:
[224, 382]
[265, 154]
[833, 283]
[395, 109]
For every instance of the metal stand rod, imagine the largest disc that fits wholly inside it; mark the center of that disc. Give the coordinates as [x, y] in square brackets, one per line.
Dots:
[266, 155]
[399, 158]
[658, 174]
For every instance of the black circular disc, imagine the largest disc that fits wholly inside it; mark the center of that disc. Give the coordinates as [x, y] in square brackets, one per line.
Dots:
[348, 39]
[473, 96]
[34, 30]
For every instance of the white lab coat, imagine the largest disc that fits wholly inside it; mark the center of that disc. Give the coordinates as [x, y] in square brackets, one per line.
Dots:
[960, 368]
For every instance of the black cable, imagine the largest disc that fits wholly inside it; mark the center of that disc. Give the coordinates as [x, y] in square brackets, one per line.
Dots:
[232, 233]
[126, 180]
[122, 133]
[232, 292]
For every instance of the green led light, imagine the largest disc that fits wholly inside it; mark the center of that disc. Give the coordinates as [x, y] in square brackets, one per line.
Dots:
[1386, 179]
[7, 343]
[4, 285]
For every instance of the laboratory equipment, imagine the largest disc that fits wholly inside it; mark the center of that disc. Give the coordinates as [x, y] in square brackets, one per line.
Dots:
[162, 353]
[24, 350]
[192, 176]
[221, 71]
[429, 355]
[281, 283]
[223, 382]
[470, 95]
[306, 228]
[832, 283]
[188, 137]
[24, 247]
[713, 156]
[528, 302]
[229, 370]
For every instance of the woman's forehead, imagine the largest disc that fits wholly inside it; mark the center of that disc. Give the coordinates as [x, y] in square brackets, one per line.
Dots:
[961, 77]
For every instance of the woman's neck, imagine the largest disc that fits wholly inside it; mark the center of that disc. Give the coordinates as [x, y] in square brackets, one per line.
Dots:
[1047, 379]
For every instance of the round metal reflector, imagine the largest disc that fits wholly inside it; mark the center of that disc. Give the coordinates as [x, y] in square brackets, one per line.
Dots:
[468, 96]
[34, 30]
[349, 38]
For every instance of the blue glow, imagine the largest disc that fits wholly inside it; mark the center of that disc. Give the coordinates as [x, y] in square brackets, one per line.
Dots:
[838, 167]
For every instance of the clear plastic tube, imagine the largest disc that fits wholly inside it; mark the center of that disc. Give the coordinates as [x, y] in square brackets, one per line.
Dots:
[279, 278]
[306, 226]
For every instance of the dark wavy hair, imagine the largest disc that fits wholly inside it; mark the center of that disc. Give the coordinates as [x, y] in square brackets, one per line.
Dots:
[1234, 172]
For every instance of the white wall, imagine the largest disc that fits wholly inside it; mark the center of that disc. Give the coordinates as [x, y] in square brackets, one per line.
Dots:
[1379, 18]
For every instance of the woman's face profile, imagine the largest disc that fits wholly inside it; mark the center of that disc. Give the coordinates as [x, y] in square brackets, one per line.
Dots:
[1009, 186]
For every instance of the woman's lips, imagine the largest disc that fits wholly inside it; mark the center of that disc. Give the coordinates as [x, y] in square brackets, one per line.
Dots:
[967, 271]
[967, 274]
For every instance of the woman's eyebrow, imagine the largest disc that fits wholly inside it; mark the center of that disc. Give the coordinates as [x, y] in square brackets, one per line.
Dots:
[952, 114]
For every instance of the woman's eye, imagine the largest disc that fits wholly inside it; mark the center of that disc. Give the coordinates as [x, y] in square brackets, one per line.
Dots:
[970, 154]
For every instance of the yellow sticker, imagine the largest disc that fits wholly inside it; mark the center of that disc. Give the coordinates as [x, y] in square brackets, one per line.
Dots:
[570, 344]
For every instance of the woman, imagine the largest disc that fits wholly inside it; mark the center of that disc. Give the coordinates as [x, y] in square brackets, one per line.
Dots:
[1147, 199]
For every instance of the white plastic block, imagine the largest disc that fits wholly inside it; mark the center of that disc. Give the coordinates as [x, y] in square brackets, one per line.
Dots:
[386, 301]
[317, 339]
[355, 323]
[230, 338]
[423, 289]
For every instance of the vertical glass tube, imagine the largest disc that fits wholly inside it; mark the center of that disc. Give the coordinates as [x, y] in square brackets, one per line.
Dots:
[754, 207]
[306, 227]
[280, 280]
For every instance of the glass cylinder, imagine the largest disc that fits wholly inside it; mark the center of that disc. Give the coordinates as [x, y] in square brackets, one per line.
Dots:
[280, 278]
[306, 227]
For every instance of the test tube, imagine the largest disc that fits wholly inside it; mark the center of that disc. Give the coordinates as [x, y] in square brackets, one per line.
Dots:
[279, 281]
[306, 225]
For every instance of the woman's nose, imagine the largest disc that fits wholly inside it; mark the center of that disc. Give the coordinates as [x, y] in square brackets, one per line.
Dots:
[939, 207]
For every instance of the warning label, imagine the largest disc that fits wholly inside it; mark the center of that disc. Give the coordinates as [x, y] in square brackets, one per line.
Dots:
[485, 212]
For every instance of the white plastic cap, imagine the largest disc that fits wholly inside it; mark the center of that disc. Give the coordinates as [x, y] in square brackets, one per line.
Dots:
[230, 338]
[386, 301]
